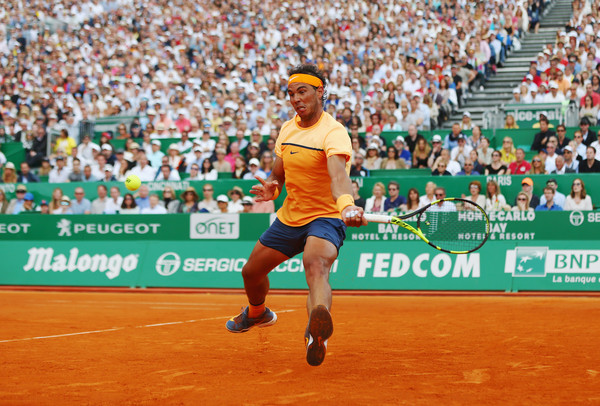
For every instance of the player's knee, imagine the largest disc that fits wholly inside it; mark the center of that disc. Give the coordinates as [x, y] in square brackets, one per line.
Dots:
[316, 268]
[248, 273]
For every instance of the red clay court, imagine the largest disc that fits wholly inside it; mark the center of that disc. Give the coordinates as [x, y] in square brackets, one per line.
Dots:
[140, 349]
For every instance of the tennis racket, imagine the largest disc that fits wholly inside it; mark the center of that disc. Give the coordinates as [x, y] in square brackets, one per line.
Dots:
[456, 226]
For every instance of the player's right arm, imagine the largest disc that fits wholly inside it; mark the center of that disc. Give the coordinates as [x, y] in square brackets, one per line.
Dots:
[270, 188]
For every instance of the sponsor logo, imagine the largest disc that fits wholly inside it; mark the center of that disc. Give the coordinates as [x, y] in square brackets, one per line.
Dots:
[14, 228]
[214, 226]
[396, 265]
[576, 218]
[541, 261]
[167, 264]
[66, 228]
[44, 259]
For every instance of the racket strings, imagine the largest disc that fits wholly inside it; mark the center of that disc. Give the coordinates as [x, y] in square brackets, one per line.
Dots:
[454, 225]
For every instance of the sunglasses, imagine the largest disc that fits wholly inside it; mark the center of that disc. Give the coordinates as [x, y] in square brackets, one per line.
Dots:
[522, 199]
[537, 160]
[576, 183]
[207, 190]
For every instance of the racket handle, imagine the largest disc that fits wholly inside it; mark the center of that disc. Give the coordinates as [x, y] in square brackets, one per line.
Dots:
[377, 218]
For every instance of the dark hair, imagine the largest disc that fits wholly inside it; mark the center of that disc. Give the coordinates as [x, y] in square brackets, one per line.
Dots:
[313, 71]
[210, 168]
[133, 203]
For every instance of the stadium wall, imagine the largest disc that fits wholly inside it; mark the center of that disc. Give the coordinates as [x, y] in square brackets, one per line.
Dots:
[557, 251]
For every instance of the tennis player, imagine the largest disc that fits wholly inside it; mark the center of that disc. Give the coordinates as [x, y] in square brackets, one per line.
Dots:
[313, 160]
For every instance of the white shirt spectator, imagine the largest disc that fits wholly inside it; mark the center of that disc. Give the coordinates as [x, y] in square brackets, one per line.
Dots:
[146, 174]
[158, 209]
[59, 176]
[173, 175]
[113, 207]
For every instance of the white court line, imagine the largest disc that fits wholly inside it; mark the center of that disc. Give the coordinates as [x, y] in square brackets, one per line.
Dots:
[141, 303]
[123, 328]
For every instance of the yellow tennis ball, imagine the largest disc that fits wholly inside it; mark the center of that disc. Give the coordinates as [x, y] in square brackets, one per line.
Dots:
[133, 182]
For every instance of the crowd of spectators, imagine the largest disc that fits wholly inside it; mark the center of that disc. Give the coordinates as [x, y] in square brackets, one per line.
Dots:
[213, 76]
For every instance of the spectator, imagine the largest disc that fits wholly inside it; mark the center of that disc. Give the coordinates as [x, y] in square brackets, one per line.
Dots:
[522, 203]
[358, 169]
[395, 200]
[591, 164]
[497, 167]
[468, 169]
[358, 200]
[451, 139]
[527, 188]
[9, 174]
[235, 204]
[440, 193]
[267, 162]
[541, 138]
[155, 155]
[412, 138]
[128, 206]
[477, 167]
[25, 174]
[208, 203]
[240, 168]
[561, 141]
[80, 205]
[549, 203]
[452, 167]
[475, 194]
[144, 171]
[429, 195]
[462, 151]
[570, 163]
[588, 110]
[579, 148]
[596, 145]
[551, 155]
[255, 170]
[474, 141]
[520, 166]
[37, 152]
[189, 201]
[559, 198]
[485, 152]
[537, 166]
[113, 204]
[64, 206]
[403, 151]
[578, 199]
[584, 125]
[154, 206]
[167, 173]
[392, 161]
[441, 169]
[108, 174]
[466, 123]
[169, 201]
[373, 160]
[495, 200]
[57, 195]
[560, 167]
[16, 204]
[222, 204]
[508, 151]
[43, 207]
[248, 204]
[143, 199]
[436, 150]
[99, 204]
[29, 205]
[376, 203]
[221, 165]
[88, 175]
[60, 174]
[412, 201]
[4, 203]
[510, 123]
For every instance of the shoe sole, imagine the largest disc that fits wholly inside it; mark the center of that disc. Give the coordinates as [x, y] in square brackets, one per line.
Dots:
[267, 324]
[320, 328]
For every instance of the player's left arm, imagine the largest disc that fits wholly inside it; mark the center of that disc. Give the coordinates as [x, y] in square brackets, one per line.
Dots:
[340, 186]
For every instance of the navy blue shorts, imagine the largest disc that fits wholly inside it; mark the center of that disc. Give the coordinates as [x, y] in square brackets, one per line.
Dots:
[291, 240]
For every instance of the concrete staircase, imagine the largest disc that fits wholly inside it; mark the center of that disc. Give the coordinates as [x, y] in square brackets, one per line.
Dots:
[498, 89]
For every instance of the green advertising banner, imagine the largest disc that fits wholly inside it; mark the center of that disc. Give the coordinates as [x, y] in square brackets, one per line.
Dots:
[558, 251]
[526, 115]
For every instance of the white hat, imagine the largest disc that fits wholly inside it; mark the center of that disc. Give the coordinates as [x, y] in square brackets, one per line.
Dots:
[223, 198]
[529, 76]
[436, 138]
[399, 138]
[568, 148]
[108, 168]
[197, 149]
[9, 165]
[106, 147]
[553, 85]
[466, 113]
[247, 200]
[151, 112]
[174, 146]
[156, 142]
[516, 90]
[533, 87]
[254, 161]
[373, 146]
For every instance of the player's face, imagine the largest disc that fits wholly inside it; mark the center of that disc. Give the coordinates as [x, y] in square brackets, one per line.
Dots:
[305, 99]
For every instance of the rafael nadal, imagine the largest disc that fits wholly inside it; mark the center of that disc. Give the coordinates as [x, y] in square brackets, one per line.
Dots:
[313, 151]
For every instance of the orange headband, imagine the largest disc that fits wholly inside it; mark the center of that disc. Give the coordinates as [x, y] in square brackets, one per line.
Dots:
[305, 78]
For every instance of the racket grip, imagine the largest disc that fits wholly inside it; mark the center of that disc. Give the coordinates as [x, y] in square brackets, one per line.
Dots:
[377, 218]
